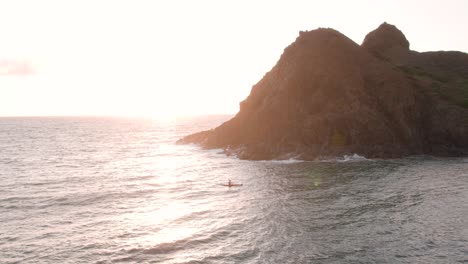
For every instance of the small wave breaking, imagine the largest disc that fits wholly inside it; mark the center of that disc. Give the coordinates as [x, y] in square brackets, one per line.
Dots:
[346, 158]
[285, 161]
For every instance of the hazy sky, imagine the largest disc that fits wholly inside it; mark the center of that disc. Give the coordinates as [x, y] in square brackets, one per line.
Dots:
[161, 58]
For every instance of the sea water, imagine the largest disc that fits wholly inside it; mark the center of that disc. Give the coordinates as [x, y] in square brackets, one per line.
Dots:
[119, 190]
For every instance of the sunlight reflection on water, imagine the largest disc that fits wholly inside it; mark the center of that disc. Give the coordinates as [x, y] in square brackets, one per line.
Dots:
[100, 190]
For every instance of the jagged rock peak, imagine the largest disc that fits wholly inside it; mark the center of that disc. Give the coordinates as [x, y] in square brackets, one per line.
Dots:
[319, 30]
[321, 33]
[323, 38]
[385, 37]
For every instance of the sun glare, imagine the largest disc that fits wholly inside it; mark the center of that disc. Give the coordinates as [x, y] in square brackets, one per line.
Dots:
[163, 61]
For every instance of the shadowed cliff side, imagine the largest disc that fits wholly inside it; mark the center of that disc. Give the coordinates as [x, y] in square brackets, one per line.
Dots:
[328, 96]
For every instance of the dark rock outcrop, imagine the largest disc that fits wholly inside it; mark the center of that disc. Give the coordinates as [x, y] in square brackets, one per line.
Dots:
[386, 42]
[328, 96]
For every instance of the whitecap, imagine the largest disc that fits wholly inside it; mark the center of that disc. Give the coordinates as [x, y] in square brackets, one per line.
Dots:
[346, 158]
[286, 161]
[354, 157]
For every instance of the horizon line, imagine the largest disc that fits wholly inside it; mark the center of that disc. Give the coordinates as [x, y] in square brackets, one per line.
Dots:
[117, 116]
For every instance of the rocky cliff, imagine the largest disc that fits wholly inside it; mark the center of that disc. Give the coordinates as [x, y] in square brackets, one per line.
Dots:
[328, 96]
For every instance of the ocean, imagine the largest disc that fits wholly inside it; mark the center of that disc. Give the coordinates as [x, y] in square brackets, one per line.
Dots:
[119, 190]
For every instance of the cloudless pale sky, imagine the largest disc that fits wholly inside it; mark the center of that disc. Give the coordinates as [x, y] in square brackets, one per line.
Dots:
[166, 58]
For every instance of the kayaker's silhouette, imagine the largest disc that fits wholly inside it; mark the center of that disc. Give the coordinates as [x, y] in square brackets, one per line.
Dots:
[231, 184]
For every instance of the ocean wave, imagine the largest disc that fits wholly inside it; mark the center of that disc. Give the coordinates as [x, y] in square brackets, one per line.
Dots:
[286, 161]
[354, 157]
[185, 243]
[346, 158]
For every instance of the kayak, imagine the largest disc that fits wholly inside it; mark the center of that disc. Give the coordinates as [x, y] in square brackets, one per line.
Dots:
[232, 185]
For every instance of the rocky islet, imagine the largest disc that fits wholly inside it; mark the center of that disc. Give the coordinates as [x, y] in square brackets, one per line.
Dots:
[328, 96]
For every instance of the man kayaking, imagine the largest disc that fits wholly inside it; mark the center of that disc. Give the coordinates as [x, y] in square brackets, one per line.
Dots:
[231, 184]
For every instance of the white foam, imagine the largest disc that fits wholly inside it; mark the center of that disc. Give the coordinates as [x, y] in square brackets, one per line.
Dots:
[354, 157]
[346, 158]
[287, 161]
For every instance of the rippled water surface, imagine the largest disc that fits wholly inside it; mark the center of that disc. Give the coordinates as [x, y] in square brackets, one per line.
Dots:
[109, 190]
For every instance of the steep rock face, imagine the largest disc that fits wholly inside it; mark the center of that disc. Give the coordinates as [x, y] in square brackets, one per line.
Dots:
[328, 96]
